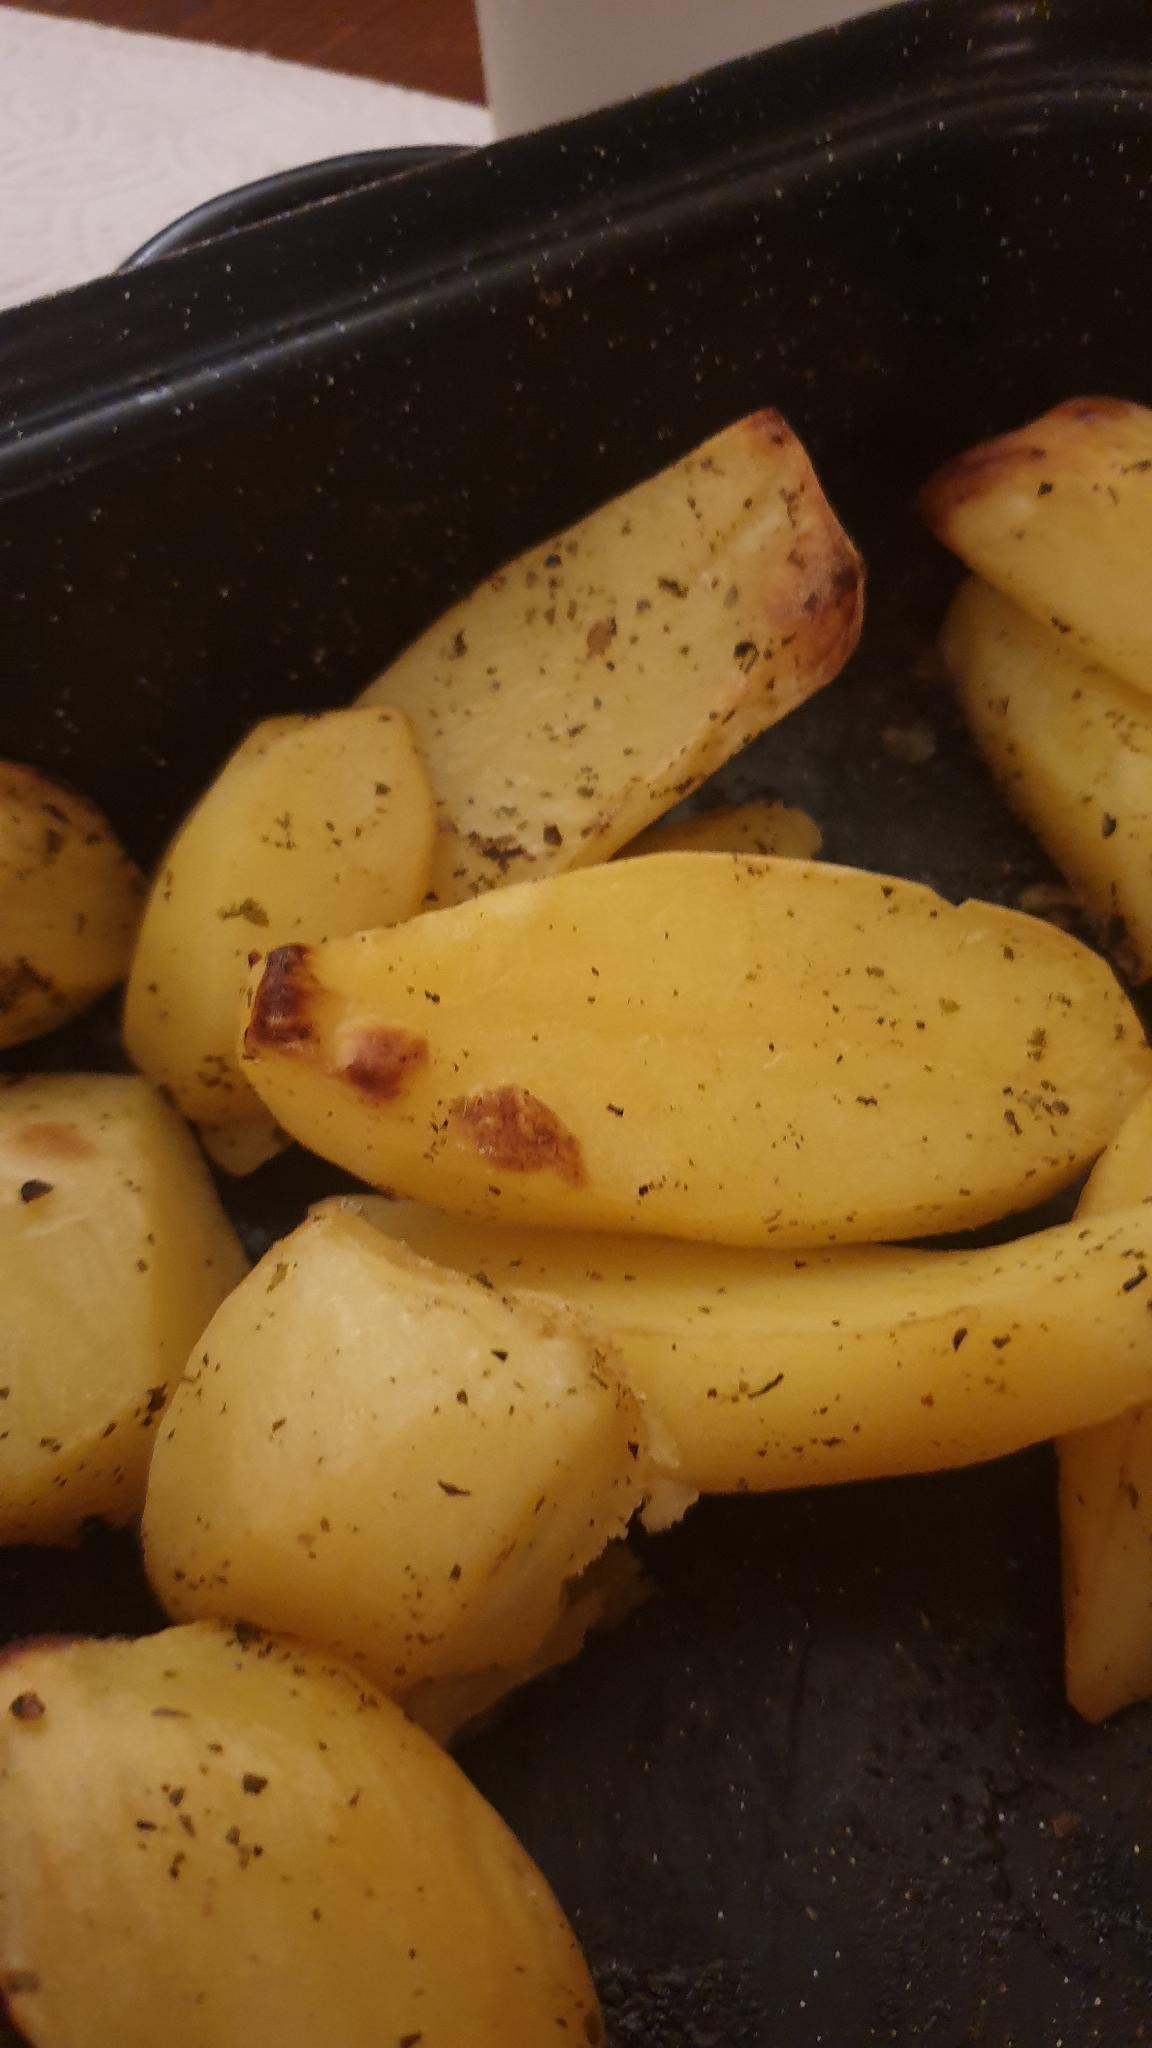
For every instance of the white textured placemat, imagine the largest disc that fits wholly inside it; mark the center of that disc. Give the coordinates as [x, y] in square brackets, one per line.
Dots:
[106, 136]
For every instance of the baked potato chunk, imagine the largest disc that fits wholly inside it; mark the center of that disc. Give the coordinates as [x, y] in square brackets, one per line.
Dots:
[759, 827]
[1071, 748]
[774, 1370]
[590, 684]
[1058, 516]
[70, 902]
[315, 825]
[114, 1253]
[1106, 1490]
[405, 1466]
[753, 1051]
[217, 1837]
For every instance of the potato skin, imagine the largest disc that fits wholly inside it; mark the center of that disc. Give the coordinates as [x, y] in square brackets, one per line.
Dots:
[750, 1051]
[208, 1837]
[70, 902]
[314, 825]
[773, 1370]
[114, 1253]
[1106, 1496]
[591, 683]
[406, 1467]
[1058, 517]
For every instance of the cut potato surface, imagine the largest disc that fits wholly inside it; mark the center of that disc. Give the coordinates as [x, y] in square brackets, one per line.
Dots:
[1058, 516]
[773, 1370]
[114, 1253]
[1106, 1493]
[404, 1466]
[701, 1045]
[70, 902]
[1071, 749]
[221, 1839]
[582, 691]
[761, 827]
[315, 826]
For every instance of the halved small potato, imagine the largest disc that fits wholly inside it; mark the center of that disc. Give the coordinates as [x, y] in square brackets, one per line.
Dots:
[114, 1253]
[208, 1838]
[315, 825]
[404, 1466]
[1058, 516]
[759, 827]
[702, 1045]
[594, 681]
[774, 1370]
[70, 902]
[1106, 1491]
[1071, 749]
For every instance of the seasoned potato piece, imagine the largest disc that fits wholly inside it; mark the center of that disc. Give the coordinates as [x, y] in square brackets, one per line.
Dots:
[1106, 1491]
[114, 1253]
[760, 827]
[699, 1045]
[70, 903]
[1058, 516]
[221, 1839]
[773, 1370]
[594, 681]
[1071, 748]
[315, 825]
[405, 1466]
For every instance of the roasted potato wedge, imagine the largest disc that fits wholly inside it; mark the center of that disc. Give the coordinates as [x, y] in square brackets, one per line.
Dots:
[1058, 516]
[700, 1045]
[1071, 748]
[593, 682]
[70, 902]
[315, 825]
[1106, 1490]
[405, 1466]
[227, 1839]
[760, 827]
[773, 1370]
[114, 1253]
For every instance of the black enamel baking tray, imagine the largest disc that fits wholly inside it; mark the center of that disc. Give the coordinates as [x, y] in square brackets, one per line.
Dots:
[823, 1788]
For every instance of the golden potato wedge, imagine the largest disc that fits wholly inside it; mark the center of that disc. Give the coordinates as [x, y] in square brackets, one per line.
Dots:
[70, 902]
[759, 827]
[315, 825]
[599, 677]
[701, 1045]
[405, 1466]
[1071, 749]
[114, 1253]
[1106, 1493]
[1058, 516]
[208, 1838]
[774, 1370]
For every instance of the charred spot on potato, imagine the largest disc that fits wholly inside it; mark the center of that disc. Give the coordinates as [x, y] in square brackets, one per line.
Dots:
[54, 1141]
[27, 1706]
[19, 979]
[34, 1190]
[512, 1129]
[381, 1061]
[283, 1003]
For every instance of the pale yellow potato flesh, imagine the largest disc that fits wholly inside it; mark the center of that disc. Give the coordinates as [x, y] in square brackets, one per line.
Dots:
[699, 1045]
[404, 1466]
[758, 827]
[590, 684]
[207, 1839]
[775, 1370]
[1070, 747]
[1058, 516]
[114, 1253]
[1106, 1493]
[70, 902]
[314, 826]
